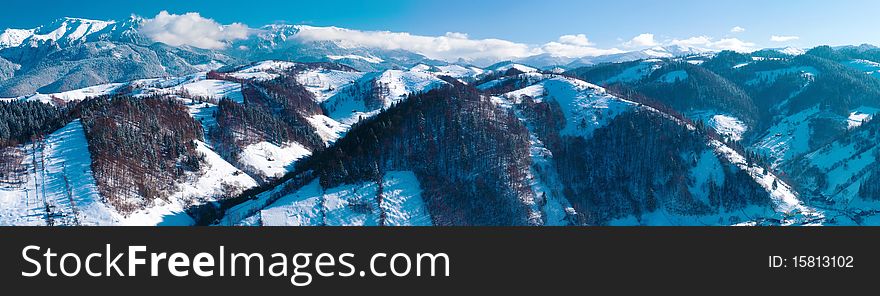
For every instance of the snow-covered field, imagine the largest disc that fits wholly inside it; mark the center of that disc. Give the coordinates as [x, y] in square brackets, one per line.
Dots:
[634, 73]
[786, 200]
[587, 107]
[265, 70]
[868, 67]
[508, 66]
[350, 205]
[212, 89]
[328, 129]
[207, 185]
[861, 115]
[844, 166]
[58, 186]
[788, 138]
[61, 177]
[72, 95]
[724, 124]
[546, 186]
[271, 160]
[325, 83]
[348, 105]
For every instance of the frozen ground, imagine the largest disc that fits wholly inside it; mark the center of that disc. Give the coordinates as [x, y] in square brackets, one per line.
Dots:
[58, 187]
[350, 205]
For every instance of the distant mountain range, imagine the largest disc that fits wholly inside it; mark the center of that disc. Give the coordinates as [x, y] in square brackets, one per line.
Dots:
[71, 53]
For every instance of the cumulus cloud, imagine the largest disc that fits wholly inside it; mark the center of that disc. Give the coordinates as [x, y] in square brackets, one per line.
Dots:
[578, 40]
[191, 29]
[776, 38]
[737, 29]
[705, 42]
[575, 46]
[643, 40]
[453, 45]
[448, 47]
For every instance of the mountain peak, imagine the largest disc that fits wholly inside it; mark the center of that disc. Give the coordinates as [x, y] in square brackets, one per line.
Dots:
[67, 31]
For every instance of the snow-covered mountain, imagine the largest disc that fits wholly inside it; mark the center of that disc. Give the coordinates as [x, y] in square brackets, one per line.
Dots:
[654, 52]
[69, 31]
[545, 197]
[71, 53]
[282, 42]
[549, 61]
[41, 59]
[101, 126]
[807, 115]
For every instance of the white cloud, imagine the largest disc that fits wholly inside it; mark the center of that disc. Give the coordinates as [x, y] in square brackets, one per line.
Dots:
[776, 38]
[705, 42]
[451, 46]
[643, 40]
[737, 29]
[578, 40]
[458, 35]
[575, 46]
[191, 29]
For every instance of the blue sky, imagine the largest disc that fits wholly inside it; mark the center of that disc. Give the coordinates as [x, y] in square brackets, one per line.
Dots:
[607, 24]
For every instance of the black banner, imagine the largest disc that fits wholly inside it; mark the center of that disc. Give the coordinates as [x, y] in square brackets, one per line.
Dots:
[539, 261]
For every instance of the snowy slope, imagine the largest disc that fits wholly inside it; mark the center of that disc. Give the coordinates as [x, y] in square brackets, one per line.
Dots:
[788, 138]
[72, 95]
[349, 105]
[868, 67]
[784, 197]
[528, 78]
[843, 164]
[328, 129]
[63, 31]
[724, 124]
[587, 107]
[14, 37]
[58, 186]
[351, 204]
[325, 83]
[214, 180]
[462, 73]
[861, 115]
[835, 172]
[265, 70]
[271, 160]
[212, 89]
[542, 178]
[504, 67]
[639, 71]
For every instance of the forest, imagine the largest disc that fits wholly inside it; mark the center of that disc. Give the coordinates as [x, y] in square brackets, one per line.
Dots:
[141, 147]
[467, 153]
[21, 121]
